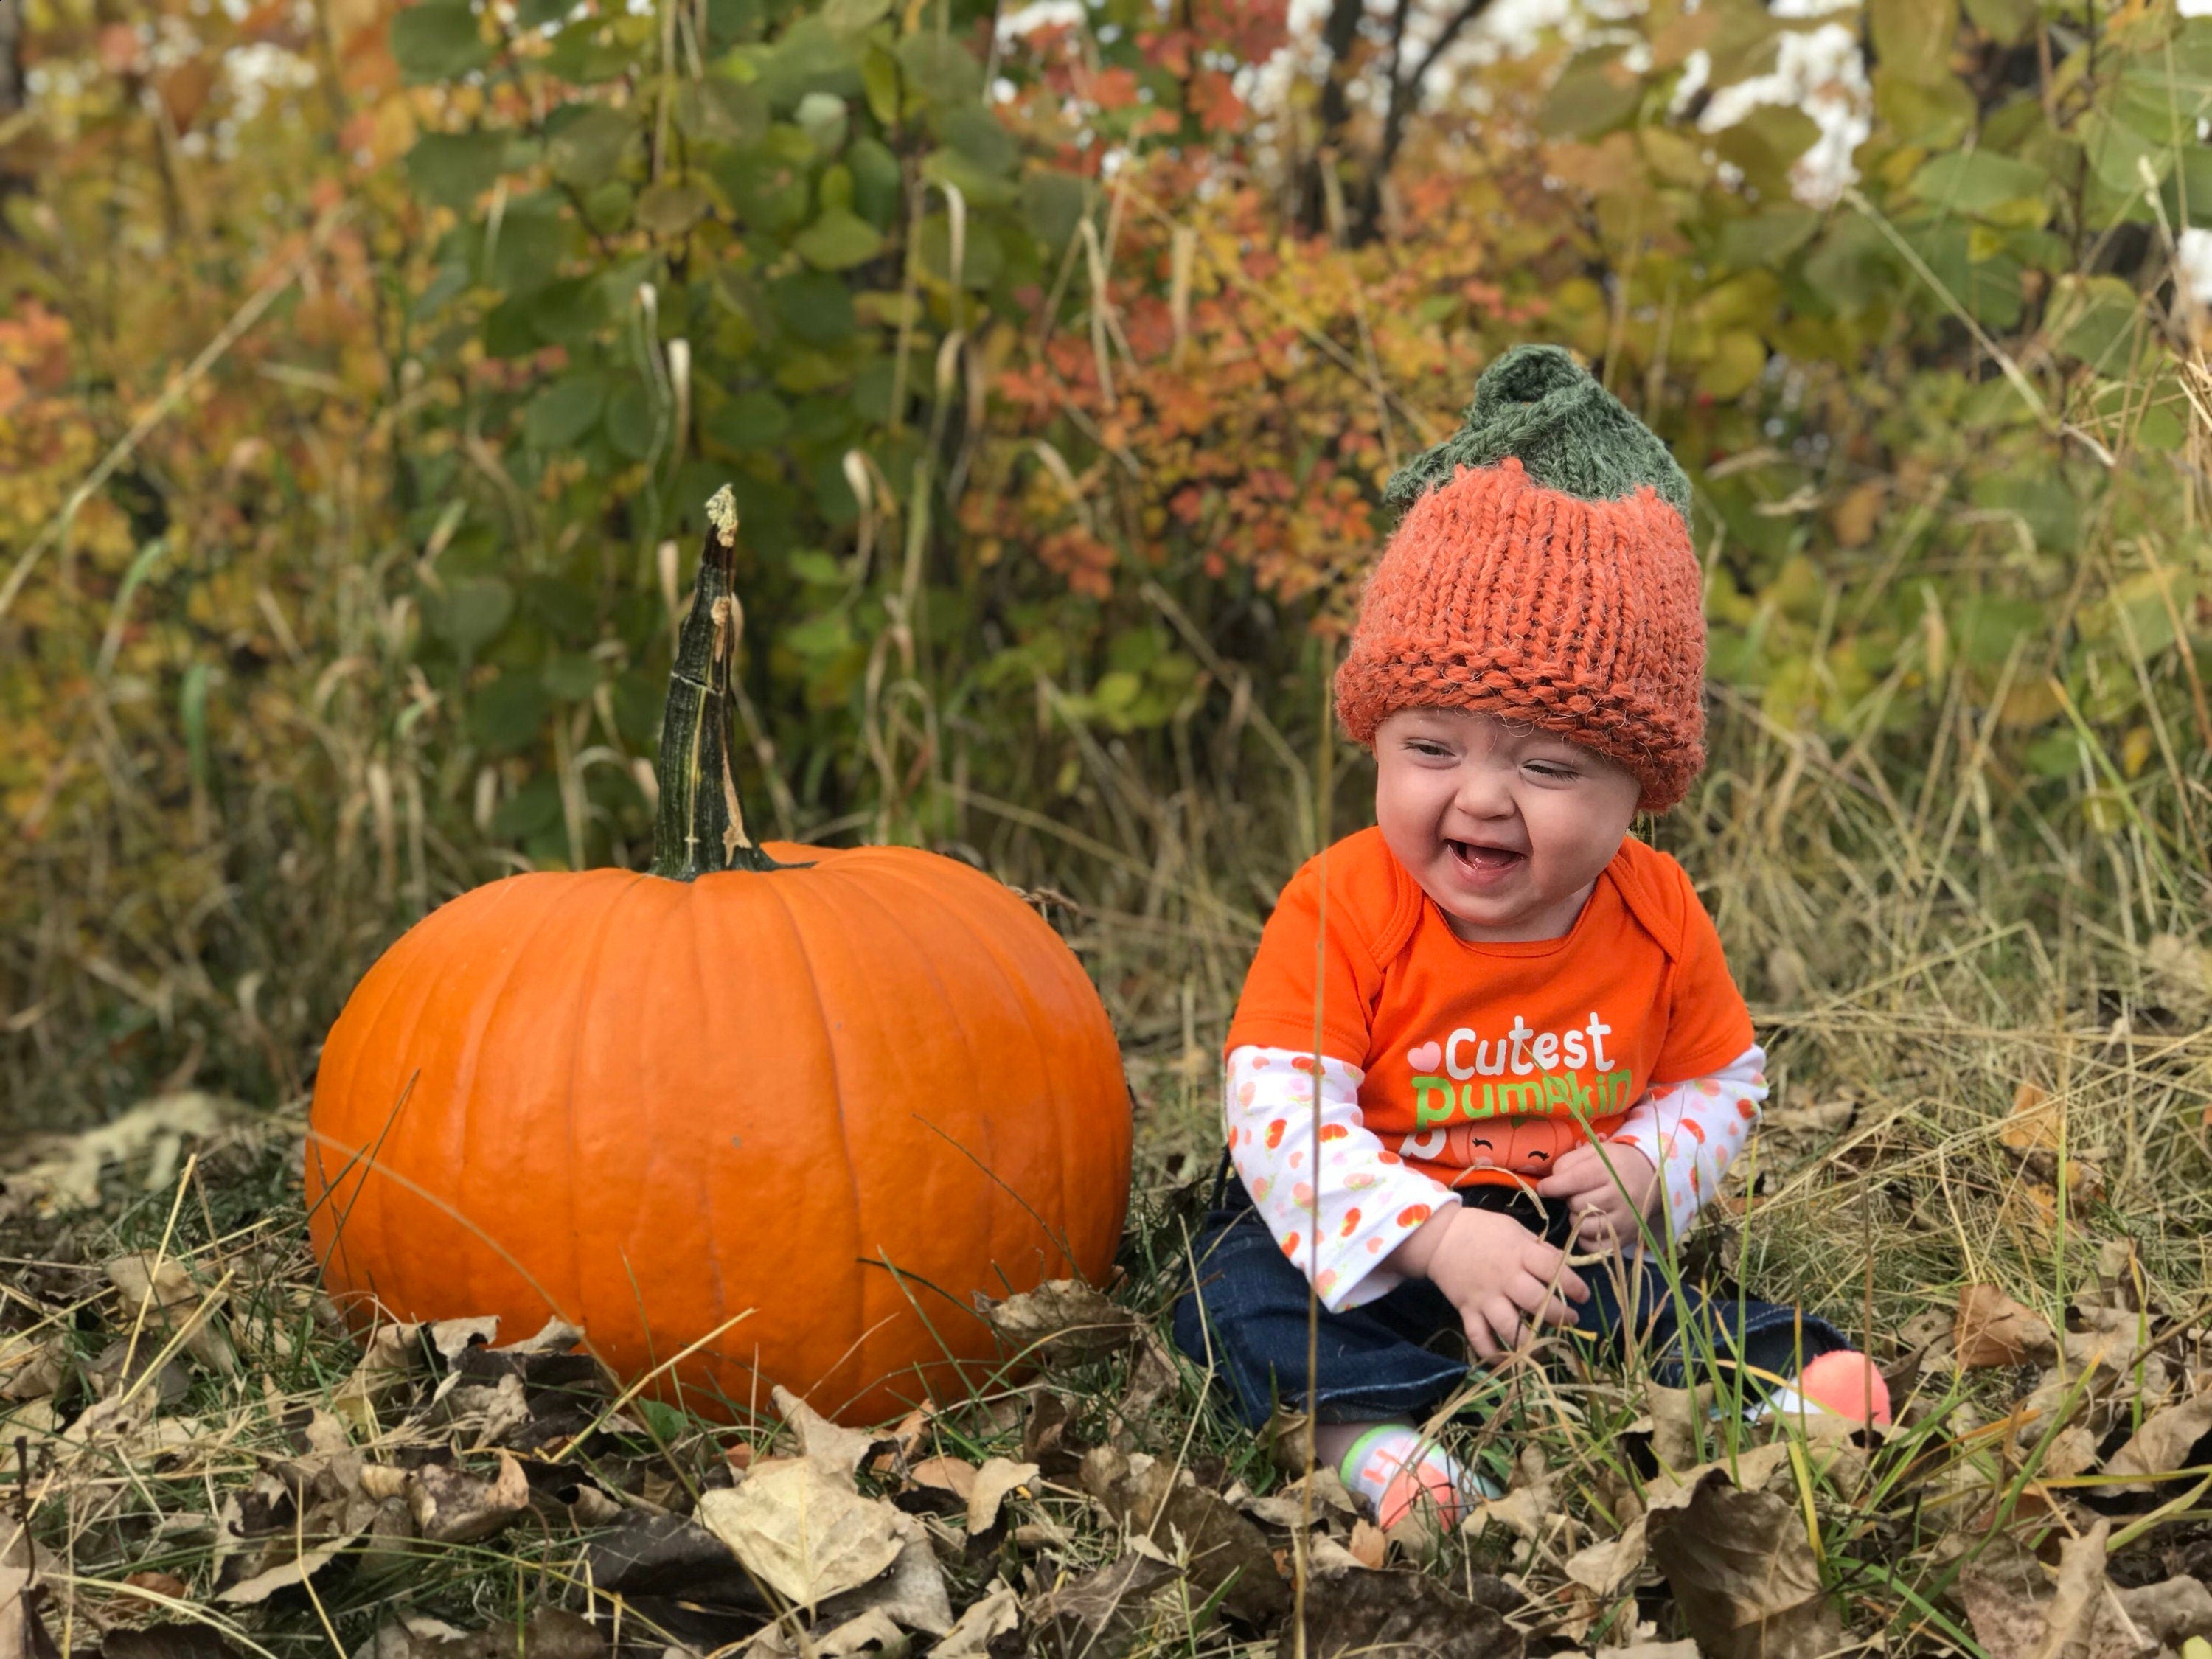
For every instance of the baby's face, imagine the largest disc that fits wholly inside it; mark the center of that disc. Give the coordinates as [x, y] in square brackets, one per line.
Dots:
[1506, 827]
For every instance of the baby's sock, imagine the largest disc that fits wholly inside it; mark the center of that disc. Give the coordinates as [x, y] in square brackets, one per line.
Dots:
[1397, 1470]
[1842, 1385]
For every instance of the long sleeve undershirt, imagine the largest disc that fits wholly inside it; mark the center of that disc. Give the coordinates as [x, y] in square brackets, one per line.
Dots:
[1339, 1214]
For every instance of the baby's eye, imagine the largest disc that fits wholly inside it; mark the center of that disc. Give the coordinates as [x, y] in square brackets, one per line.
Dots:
[1553, 774]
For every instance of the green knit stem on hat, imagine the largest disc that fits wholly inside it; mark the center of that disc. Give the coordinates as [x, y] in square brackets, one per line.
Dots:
[1568, 432]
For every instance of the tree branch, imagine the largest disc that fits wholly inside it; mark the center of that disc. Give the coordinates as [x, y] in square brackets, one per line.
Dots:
[1405, 99]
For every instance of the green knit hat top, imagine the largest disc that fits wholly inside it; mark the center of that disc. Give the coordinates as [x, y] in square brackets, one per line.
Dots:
[1536, 404]
[1541, 571]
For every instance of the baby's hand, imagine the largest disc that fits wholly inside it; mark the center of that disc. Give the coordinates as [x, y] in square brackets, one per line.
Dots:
[1500, 1275]
[1606, 1205]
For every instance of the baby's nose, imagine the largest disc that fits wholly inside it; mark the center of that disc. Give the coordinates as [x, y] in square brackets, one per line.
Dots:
[1484, 793]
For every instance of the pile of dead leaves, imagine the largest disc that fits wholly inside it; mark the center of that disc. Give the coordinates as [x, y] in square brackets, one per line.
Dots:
[181, 1504]
[442, 1451]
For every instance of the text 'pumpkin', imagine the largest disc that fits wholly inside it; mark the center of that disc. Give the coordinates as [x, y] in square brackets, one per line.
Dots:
[790, 1116]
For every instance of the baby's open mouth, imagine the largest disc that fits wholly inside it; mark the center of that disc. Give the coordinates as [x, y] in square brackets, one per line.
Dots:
[1488, 860]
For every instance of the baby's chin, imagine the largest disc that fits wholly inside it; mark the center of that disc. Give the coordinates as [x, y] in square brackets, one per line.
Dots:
[1517, 913]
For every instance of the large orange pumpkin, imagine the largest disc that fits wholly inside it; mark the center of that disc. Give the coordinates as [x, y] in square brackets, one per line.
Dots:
[827, 1095]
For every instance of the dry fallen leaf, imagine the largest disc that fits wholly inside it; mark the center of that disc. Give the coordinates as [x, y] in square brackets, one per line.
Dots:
[1607, 1569]
[871, 1629]
[1990, 1328]
[1044, 1434]
[158, 1585]
[912, 1594]
[1289, 1506]
[555, 1335]
[453, 1506]
[2072, 1451]
[1367, 1545]
[2036, 1122]
[166, 1640]
[1810, 1118]
[1522, 1511]
[2164, 1443]
[1743, 1573]
[387, 1361]
[807, 1534]
[30, 1368]
[677, 1573]
[381, 1482]
[952, 1474]
[1749, 1470]
[1397, 1613]
[1675, 1416]
[830, 1444]
[1220, 1547]
[2018, 1610]
[452, 1338]
[997, 1480]
[1064, 1321]
[2171, 1614]
[1101, 1614]
[262, 1585]
[1151, 1379]
[163, 1297]
[2182, 970]
[158, 1126]
[550, 1633]
[997, 1611]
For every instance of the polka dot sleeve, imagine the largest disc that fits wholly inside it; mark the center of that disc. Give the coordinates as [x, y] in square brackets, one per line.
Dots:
[1337, 1205]
[1692, 1131]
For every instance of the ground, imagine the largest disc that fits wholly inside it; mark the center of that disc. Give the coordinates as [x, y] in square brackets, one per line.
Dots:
[2003, 1208]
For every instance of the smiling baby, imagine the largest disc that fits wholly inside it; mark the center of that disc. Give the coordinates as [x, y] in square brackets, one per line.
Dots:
[1517, 1019]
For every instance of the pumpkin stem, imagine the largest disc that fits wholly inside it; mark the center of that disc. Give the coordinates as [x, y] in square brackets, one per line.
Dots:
[700, 825]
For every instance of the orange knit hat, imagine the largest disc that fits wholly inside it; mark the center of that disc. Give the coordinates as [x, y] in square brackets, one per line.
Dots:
[1543, 572]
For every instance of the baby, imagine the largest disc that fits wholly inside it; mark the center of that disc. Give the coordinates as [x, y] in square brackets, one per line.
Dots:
[1523, 1033]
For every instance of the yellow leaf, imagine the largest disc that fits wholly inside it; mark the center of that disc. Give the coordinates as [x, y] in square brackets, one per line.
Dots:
[2036, 1123]
[1739, 358]
[1983, 243]
[2028, 705]
[2135, 750]
[1854, 517]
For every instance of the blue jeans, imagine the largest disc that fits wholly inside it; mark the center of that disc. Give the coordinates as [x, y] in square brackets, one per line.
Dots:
[1403, 1354]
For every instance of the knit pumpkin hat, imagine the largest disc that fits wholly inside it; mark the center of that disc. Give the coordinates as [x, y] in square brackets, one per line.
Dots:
[1543, 573]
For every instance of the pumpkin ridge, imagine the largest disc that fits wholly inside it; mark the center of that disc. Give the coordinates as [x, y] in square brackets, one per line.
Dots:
[397, 1142]
[593, 959]
[708, 1194]
[482, 1018]
[352, 1212]
[932, 891]
[348, 1168]
[391, 1134]
[799, 933]
[890, 919]
[1069, 1200]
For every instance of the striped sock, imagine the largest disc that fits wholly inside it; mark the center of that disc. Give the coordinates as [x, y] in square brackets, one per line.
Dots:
[1398, 1471]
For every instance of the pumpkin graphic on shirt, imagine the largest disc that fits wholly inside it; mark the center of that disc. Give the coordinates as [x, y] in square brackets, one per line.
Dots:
[1525, 1147]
